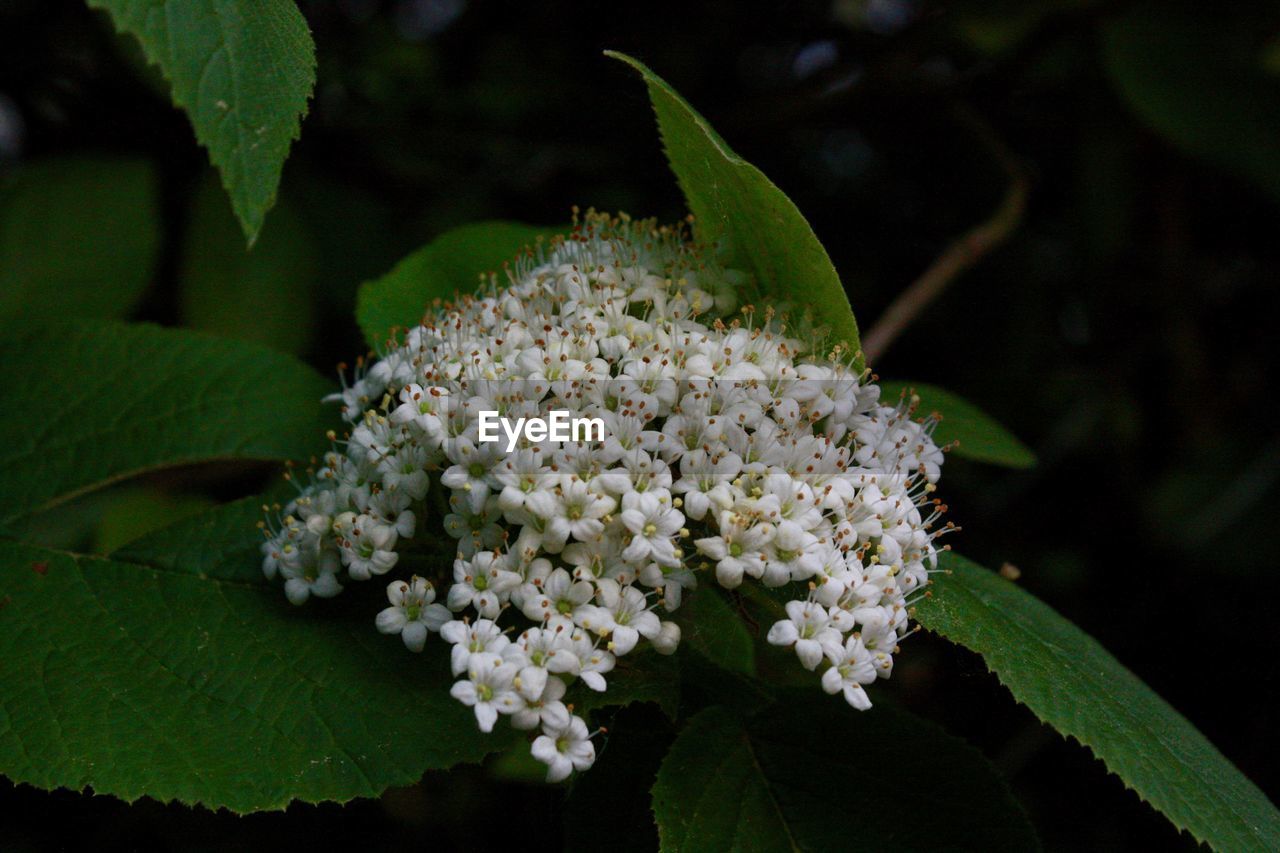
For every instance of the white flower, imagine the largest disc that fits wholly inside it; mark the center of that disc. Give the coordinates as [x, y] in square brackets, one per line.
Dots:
[423, 407]
[808, 628]
[629, 615]
[405, 471]
[475, 531]
[546, 710]
[412, 613]
[366, 544]
[471, 474]
[482, 638]
[593, 662]
[488, 689]
[671, 580]
[564, 749]
[309, 567]
[598, 560]
[483, 582]
[549, 648]
[575, 511]
[705, 481]
[792, 555]
[738, 549]
[851, 668]
[653, 526]
[668, 639]
[299, 589]
[522, 475]
[832, 580]
[880, 640]
[558, 596]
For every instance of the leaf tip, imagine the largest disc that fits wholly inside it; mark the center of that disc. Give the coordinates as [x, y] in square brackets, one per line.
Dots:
[639, 66]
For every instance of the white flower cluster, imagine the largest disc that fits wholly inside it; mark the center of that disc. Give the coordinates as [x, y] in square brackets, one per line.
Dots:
[728, 452]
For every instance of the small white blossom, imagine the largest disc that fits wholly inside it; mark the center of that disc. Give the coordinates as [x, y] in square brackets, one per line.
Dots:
[488, 689]
[628, 615]
[807, 628]
[557, 596]
[668, 639]
[546, 710]
[565, 749]
[738, 549]
[482, 638]
[852, 667]
[412, 613]
[483, 582]
[653, 526]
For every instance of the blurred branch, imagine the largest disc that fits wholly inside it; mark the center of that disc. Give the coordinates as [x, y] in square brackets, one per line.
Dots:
[961, 254]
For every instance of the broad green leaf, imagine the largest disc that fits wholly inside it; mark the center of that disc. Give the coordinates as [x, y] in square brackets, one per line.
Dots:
[222, 542]
[92, 403]
[803, 776]
[1076, 686]
[135, 512]
[711, 627]
[243, 71]
[211, 688]
[978, 435]
[758, 227]
[516, 764]
[1194, 80]
[78, 238]
[447, 266]
[263, 293]
[70, 526]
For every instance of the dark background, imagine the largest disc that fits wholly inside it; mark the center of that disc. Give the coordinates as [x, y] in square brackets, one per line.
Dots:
[1125, 331]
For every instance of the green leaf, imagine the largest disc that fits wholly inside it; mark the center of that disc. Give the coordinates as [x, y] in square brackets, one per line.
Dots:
[243, 71]
[450, 264]
[516, 764]
[222, 542]
[1198, 82]
[757, 226]
[91, 403]
[135, 512]
[70, 526]
[712, 628]
[263, 293]
[774, 782]
[978, 435]
[134, 680]
[1068, 680]
[78, 238]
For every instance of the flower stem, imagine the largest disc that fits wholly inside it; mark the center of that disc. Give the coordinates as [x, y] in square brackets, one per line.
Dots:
[961, 254]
